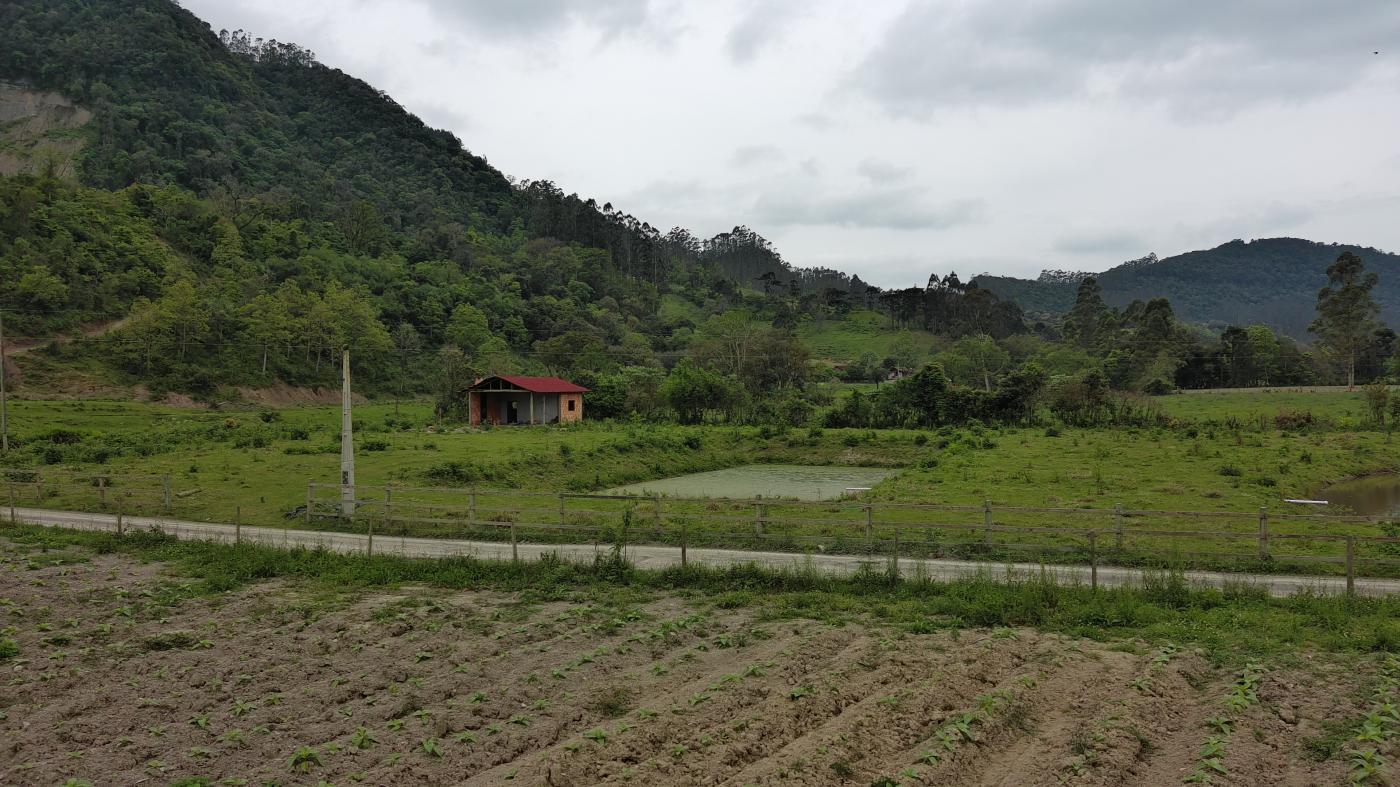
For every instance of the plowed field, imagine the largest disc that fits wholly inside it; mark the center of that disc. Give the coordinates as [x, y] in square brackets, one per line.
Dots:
[121, 678]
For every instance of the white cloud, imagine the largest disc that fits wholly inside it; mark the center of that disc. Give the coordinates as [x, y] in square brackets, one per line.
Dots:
[897, 139]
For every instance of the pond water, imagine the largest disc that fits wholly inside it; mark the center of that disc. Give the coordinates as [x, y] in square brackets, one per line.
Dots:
[804, 482]
[1372, 495]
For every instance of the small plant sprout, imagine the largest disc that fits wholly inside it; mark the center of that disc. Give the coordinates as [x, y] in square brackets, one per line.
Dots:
[362, 738]
[201, 721]
[241, 708]
[598, 736]
[393, 725]
[423, 715]
[431, 747]
[235, 737]
[304, 759]
[465, 736]
[494, 728]
[800, 692]
[519, 720]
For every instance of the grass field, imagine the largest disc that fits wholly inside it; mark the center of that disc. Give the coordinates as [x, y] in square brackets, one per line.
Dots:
[257, 464]
[1345, 408]
[219, 662]
[862, 332]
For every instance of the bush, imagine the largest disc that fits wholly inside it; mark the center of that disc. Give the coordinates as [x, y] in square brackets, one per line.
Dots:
[1052, 431]
[1230, 470]
[920, 439]
[374, 445]
[850, 441]
[1290, 421]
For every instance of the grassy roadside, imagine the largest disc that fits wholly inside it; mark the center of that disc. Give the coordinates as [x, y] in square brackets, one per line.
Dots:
[1230, 624]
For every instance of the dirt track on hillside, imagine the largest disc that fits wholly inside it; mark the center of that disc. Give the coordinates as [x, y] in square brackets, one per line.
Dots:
[114, 685]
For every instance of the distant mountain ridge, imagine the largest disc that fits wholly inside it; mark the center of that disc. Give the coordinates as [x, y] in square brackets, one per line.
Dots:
[1272, 281]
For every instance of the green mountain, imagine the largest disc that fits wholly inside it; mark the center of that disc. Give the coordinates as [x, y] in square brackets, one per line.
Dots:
[246, 210]
[1272, 281]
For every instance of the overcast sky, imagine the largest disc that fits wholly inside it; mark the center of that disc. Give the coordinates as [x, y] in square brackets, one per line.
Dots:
[896, 139]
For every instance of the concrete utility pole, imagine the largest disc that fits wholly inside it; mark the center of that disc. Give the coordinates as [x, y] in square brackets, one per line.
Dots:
[4, 413]
[347, 442]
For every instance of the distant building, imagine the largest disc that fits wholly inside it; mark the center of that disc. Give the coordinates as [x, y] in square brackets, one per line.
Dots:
[511, 399]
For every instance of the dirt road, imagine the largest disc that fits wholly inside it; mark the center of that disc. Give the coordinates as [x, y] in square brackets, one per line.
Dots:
[657, 557]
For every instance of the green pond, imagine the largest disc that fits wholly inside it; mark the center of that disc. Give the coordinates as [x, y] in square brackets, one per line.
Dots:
[803, 482]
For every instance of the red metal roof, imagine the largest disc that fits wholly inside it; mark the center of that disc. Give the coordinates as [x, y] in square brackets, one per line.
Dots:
[539, 384]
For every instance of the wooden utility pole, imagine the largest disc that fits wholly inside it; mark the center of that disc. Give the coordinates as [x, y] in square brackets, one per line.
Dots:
[347, 441]
[4, 413]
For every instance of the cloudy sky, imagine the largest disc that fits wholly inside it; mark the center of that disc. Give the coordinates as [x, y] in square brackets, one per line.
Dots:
[895, 139]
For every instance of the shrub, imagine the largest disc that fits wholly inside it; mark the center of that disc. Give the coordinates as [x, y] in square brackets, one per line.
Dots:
[920, 439]
[1230, 470]
[374, 445]
[1290, 420]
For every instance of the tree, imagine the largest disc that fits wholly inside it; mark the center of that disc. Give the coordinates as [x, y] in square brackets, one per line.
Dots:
[268, 323]
[1085, 322]
[984, 355]
[692, 389]
[1346, 312]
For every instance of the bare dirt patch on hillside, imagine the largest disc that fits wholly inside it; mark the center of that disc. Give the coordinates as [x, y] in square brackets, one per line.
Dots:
[122, 678]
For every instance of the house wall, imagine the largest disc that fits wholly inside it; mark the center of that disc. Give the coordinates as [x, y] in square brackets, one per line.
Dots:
[562, 407]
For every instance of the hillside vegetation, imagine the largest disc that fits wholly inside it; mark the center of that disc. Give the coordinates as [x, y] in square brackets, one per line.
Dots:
[1272, 281]
[240, 213]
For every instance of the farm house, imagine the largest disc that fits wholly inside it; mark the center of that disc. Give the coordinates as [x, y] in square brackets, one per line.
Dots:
[512, 399]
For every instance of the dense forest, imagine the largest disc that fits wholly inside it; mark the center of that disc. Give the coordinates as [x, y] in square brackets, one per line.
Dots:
[239, 213]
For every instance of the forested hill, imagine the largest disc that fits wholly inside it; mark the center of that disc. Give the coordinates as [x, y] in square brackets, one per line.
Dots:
[1272, 281]
[292, 208]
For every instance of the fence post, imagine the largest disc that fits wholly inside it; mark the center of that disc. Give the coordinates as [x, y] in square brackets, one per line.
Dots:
[1118, 535]
[758, 512]
[1263, 533]
[987, 522]
[238, 524]
[120, 528]
[388, 507]
[1093, 560]
[102, 490]
[514, 550]
[14, 520]
[1351, 565]
[309, 485]
[562, 520]
[869, 531]
[369, 533]
[471, 509]
[166, 493]
[894, 556]
[684, 539]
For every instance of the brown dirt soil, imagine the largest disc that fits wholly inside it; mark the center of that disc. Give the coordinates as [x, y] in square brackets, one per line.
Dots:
[281, 395]
[122, 678]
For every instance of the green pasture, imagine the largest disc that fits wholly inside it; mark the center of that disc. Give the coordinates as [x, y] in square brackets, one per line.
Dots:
[255, 465]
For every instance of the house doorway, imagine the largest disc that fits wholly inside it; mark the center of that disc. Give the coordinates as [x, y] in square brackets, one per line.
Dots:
[512, 412]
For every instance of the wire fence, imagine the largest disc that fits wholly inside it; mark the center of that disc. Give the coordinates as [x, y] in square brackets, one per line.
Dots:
[503, 522]
[1257, 541]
